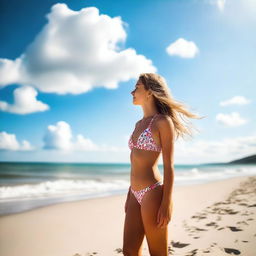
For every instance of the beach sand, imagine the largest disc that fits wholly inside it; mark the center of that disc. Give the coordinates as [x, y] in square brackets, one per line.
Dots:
[217, 218]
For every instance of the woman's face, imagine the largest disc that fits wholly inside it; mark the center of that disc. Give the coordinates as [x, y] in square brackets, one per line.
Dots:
[139, 93]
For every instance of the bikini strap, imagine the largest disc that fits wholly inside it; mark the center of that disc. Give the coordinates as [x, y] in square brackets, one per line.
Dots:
[151, 120]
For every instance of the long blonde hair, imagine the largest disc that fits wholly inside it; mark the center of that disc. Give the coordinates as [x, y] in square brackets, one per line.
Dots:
[167, 105]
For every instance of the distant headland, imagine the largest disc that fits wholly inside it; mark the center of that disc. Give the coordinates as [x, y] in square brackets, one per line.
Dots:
[245, 160]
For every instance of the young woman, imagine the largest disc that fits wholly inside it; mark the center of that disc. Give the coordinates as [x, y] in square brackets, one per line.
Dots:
[149, 202]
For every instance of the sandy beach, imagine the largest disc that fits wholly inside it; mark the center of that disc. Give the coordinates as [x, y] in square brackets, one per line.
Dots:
[217, 218]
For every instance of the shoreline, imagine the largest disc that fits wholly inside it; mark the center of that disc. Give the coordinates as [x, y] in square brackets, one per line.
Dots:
[16, 206]
[83, 227]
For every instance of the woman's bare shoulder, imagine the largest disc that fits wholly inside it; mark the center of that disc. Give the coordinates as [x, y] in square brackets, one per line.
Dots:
[137, 122]
[163, 119]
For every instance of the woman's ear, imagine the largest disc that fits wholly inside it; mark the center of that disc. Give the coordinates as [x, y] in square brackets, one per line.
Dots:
[149, 93]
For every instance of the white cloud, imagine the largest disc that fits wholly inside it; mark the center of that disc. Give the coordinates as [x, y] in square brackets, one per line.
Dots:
[206, 151]
[60, 137]
[236, 100]
[10, 71]
[84, 143]
[238, 12]
[75, 52]
[233, 119]
[25, 102]
[221, 4]
[9, 142]
[183, 48]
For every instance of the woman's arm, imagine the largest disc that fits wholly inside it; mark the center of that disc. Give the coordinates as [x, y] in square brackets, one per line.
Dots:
[166, 130]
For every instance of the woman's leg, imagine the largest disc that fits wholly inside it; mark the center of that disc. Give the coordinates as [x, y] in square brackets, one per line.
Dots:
[157, 238]
[133, 229]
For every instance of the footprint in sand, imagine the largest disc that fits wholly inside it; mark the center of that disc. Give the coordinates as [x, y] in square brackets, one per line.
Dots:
[218, 218]
[234, 229]
[118, 250]
[212, 224]
[202, 216]
[178, 244]
[170, 250]
[232, 251]
[243, 204]
[200, 229]
[242, 222]
[88, 254]
[230, 211]
[192, 253]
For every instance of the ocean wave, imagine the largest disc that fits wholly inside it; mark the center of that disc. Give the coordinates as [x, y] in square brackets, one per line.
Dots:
[60, 188]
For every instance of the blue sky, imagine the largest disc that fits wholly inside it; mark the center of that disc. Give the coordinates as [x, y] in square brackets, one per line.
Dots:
[67, 69]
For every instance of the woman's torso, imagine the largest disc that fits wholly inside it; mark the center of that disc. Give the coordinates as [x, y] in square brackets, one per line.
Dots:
[144, 169]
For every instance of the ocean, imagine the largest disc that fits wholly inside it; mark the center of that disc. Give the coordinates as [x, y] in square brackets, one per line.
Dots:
[25, 186]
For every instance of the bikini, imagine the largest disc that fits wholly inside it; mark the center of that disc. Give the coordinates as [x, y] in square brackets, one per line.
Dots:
[146, 142]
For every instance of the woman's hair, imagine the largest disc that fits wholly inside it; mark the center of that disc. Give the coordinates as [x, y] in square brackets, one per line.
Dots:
[167, 105]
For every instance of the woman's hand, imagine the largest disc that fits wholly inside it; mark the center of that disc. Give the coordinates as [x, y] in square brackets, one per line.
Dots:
[164, 215]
